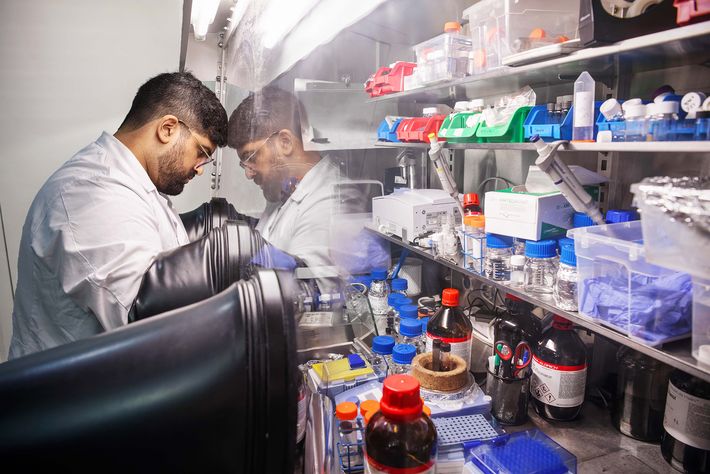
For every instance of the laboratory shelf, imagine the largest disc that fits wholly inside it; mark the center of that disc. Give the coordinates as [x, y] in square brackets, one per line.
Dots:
[628, 147]
[677, 47]
[676, 354]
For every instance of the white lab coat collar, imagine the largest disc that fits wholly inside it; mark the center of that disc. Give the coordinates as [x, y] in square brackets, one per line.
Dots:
[313, 180]
[121, 158]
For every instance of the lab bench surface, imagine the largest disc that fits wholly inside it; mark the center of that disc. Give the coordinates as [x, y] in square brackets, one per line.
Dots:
[598, 445]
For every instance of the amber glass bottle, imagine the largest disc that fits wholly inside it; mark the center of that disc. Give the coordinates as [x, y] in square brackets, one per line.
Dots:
[450, 325]
[400, 437]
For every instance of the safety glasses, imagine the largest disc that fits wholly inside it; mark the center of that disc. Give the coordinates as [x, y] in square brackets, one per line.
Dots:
[243, 163]
[208, 158]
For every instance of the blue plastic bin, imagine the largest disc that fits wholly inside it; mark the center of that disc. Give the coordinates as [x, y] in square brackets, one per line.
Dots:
[387, 130]
[537, 120]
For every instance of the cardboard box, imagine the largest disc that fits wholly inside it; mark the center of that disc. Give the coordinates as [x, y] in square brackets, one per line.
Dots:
[526, 215]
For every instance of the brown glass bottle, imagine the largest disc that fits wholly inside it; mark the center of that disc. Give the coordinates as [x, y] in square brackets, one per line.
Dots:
[400, 436]
[450, 325]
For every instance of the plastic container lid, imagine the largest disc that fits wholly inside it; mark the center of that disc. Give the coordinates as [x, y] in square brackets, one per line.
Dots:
[495, 241]
[452, 27]
[651, 109]
[517, 260]
[476, 220]
[540, 249]
[462, 106]
[364, 279]
[477, 103]
[346, 411]
[614, 216]
[399, 284]
[630, 102]
[471, 199]
[400, 398]
[580, 219]
[450, 297]
[668, 107]
[567, 255]
[404, 353]
[403, 301]
[382, 345]
[369, 406]
[610, 108]
[379, 274]
[408, 311]
[393, 298]
[410, 327]
[635, 111]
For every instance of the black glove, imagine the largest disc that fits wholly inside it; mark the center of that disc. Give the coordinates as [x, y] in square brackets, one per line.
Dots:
[205, 267]
[210, 215]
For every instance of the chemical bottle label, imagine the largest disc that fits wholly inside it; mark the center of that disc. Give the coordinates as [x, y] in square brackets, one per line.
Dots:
[687, 418]
[558, 385]
[373, 467]
[460, 346]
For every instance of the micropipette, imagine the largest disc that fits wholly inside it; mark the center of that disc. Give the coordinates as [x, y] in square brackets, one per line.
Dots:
[442, 170]
[549, 162]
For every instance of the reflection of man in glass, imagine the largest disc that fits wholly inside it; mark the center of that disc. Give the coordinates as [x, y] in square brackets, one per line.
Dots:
[265, 129]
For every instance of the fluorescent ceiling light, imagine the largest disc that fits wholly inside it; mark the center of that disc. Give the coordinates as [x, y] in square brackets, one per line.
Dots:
[202, 16]
[280, 17]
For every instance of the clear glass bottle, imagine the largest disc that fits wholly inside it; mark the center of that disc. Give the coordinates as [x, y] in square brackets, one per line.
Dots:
[474, 246]
[382, 349]
[636, 126]
[378, 293]
[565, 289]
[350, 451]
[402, 356]
[583, 119]
[405, 310]
[410, 333]
[496, 264]
[612, 112]
[518, 246]
[540, 266]
[517, 267]
[666, 120]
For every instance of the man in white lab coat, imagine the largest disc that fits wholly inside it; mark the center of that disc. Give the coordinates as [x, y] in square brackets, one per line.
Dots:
[101, 219]
[300, 186]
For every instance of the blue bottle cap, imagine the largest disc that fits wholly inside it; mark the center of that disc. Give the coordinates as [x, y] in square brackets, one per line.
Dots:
[402, 301]
[408, 311]
[495, 241]
[399, 284]
[567, 255]
[404, 353]
[364, 279]
[379, 274]
[424, 322]
[614, 216]
[580, 219]
[540, 248]
[564, 241]
[382, 345]
[393, 299]
[410, 327]
[355, 361]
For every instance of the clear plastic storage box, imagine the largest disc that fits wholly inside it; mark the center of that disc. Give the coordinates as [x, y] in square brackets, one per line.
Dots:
[500, 28]
[443, 58]
[621, 289]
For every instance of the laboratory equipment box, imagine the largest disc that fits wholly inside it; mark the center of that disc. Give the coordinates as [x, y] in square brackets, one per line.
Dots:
[515, 213]
[619, 288]
[549, 127]
[388, 80]
[461, 127]
[336, 376]
[387, 131]
[443, 58]
[502, 28]
[691, 10]
[511, 131]
[525, 451]
[417, 129]
[411, 213]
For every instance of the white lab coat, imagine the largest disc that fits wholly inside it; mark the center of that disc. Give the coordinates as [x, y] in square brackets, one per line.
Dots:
[91, 233]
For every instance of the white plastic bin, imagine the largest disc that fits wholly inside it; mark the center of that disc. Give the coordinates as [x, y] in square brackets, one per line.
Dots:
[619, 288]
[501, 28]
[443, 58]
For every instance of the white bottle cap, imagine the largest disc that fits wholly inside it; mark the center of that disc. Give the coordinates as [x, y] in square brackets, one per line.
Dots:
[635, 110]
[604, 136]
[631, 102]
[706, 104]
[461, 106]
[692, 101]
[517, 260]
[610, 108]
[477, 103]
[667, 107]
[429, 111]
[651, 109]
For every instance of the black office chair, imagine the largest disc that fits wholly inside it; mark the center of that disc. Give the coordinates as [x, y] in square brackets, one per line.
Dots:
[210, 387]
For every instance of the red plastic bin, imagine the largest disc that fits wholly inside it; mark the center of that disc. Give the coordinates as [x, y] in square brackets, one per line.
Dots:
[417, 129]
[388, 80]
[691, 10]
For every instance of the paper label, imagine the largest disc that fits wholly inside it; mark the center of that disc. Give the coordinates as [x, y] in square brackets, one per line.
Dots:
[583, 109]
[558, 385]
[687, 418]
[459, 346]
[317, 319]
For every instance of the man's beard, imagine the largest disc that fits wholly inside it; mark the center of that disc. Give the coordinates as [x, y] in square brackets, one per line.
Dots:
[171, 174]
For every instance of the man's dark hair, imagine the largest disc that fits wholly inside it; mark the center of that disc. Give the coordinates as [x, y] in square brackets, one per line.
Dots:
[262, 113]
[182, 95]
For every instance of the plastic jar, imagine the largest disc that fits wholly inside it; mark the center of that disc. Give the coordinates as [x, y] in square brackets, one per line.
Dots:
[540, 266]
[636, 125]
[565, 289]
[499, 249]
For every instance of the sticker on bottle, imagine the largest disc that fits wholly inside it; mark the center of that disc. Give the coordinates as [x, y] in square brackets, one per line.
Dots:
[687, 418]
[373, 467]
[558, 385]
[460, 346]
[583, 109]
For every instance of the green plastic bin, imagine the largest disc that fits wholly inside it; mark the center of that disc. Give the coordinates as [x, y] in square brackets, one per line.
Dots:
[509, 132]
[461, 127]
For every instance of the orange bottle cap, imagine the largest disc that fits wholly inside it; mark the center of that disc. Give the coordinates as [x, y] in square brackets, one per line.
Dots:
[369, 406]
[475, 220]
[450, 297]
[426, 410]
[452, 26]
[537, 33]
[346, 411]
